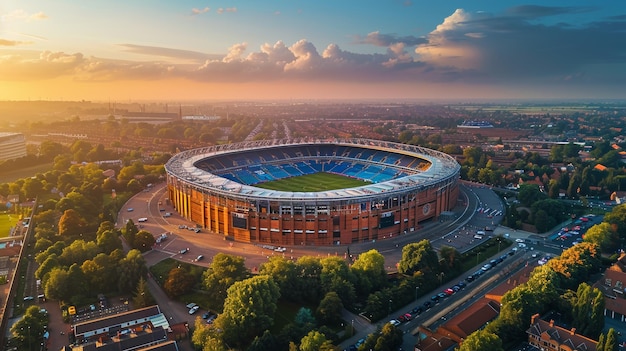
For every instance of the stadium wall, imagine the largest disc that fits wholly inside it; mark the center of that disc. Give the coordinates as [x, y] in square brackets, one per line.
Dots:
[317, 222]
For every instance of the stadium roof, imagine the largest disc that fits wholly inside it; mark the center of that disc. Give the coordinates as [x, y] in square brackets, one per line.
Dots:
[442, 167]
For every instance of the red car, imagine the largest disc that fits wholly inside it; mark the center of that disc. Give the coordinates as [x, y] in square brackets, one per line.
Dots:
[448, 291]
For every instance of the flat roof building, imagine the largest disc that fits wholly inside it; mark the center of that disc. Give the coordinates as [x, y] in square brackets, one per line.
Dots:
[12, 146]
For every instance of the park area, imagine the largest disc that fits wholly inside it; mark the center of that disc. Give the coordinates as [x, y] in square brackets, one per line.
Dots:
[7, 221]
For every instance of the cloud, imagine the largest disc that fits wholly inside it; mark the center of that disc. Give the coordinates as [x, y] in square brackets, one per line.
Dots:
[46, 66]
[164, 52]
[221, 10]
[536, 11]
[378, 39]
[6, 42]
[21, 15]
[517, 46]
[520, 44]
[195, 11]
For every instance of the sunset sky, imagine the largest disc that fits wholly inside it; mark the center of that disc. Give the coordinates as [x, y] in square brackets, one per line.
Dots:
[311, 49]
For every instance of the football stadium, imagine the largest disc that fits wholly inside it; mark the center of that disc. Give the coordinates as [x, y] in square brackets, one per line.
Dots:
[312, 192]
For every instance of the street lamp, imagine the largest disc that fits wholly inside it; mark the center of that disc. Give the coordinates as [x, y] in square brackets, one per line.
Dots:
[477, 257]
[416, 289]
[390, 307]
[352, 329]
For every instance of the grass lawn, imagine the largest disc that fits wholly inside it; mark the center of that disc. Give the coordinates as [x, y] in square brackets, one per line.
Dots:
[6, 222]
[313, 183]
[8, 176]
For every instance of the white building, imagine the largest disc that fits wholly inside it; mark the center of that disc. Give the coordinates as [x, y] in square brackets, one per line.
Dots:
[12, 146]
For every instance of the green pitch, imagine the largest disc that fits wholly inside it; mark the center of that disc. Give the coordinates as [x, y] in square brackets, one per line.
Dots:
[312, 183]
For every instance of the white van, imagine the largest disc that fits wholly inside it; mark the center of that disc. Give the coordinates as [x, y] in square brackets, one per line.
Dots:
[142, 219]
[480, 232]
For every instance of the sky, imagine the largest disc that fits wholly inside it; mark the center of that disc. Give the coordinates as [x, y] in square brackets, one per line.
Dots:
[311, 49]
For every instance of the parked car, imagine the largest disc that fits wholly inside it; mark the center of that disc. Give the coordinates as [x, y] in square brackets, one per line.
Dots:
[427, 305]
[191, 305]
[199, 258]
[416, 310]
[395, 322]
[183, 251]
[194, 309]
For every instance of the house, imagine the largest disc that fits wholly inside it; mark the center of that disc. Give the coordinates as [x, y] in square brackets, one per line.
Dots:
[142, 329]
[613, 287]
[550, 337]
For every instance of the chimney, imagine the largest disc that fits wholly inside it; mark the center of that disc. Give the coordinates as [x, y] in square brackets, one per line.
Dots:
[551, 323]
[533, 318]
[572, 331]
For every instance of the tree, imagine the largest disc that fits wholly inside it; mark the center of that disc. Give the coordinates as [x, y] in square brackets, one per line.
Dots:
[315, 341]
[142, 296]
[576, 264]
[47, 265]
[611, 342]
[71, 225]
[450, 259]
[130, 231]
[603, 236]
[100, 272]
[130, 270]
[369, 269]
[78, 252]
[304, 317]
[600, 344]
[58, 286]
[544, 284]
[29, 330]
[588, 311]
[529, 194]
[337, 277]
[308, 279]
[481, 340]
[419, 257]
[204, 337]
[329, 310]
[223, 272]
[284, 273]
[143, 241]
[108, 241]
[256, 296]
[266, 342]
[388, 338]
[178, 282]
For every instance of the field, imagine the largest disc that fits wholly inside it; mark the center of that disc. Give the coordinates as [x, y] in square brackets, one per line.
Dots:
[8, 176]
[6, 222]
[312, 183]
